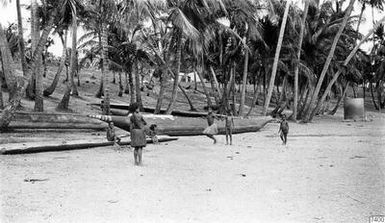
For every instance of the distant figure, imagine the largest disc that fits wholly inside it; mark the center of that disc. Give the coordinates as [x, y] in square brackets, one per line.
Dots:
[283, 129]
[229, 125]
[212, 129]
[138, 136]
[111, 136]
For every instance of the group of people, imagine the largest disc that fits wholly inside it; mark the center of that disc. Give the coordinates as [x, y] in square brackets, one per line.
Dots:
[212, 128]
[138, 130]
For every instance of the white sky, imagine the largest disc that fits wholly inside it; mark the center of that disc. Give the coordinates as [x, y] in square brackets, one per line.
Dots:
[8, 15]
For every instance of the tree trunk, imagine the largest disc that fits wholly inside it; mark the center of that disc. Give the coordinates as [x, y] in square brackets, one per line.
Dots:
[30, 93]
[22, 81]
[163, 81]
[73, 62]
[244, 83]
[303, 26]
[137, 84]
[372, 94]
[121, 89]
[311, 105]
[276, 58]
[215, 86]
[99, 94]
[106, 100]
[174, 94]
[131, 85]
[379, 98]
[209, 104]
[21, 38]
[8, 64]
[255, 99]
[346, 62]
[1, 93]
[333, 112]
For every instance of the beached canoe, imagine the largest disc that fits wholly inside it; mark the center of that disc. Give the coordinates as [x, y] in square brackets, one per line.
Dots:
[122, 110]
[43, 120]
[185, 126]
[53, 146]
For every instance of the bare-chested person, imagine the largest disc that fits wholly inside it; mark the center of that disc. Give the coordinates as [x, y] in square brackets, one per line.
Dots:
[283, 129]
[212, 129]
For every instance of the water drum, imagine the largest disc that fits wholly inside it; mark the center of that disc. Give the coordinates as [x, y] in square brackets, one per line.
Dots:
[354, 108]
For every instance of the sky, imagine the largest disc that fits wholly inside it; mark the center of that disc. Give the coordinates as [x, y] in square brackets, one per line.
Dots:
[8, 15]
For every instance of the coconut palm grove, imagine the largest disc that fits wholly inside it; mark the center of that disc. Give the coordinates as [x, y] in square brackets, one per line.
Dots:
[253, 63]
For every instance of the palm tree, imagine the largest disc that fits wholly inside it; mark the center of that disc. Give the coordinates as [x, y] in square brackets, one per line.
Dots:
[48, 91]
[275, 64]
[346, 62]
[71, 10]
[9, 110]
[301, 35]
[311, 104]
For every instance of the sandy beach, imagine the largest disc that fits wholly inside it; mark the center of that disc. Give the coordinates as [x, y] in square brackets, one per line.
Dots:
[330, 171]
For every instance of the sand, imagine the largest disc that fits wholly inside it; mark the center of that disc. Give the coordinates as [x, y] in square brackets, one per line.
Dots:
[330, 171]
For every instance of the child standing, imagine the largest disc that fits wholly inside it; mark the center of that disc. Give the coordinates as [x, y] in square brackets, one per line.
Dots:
[229, 125]
[138, 136]
[212, 129]
[284, 129]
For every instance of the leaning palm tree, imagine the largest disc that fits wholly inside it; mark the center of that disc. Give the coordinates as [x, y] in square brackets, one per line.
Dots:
[311, 105]
[8, 112]
[276, 58]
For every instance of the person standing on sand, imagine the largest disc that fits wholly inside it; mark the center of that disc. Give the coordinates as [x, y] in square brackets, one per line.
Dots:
[229, 125]
[137, 133]
[283, 129]
[212, 129]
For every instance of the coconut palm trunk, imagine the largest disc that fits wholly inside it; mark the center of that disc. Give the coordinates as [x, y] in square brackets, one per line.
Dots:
[176, 77]
[22, 81]
[301, 34]
[31, 88]
[311, 106]
[8, 63]
[209, 103]
[106, 104]
[244, 83]
[137, 84]
[216, 84]
[255, 99]
[346, 62]
[47, 92]
[340, 99]
[73, 62]
[276, 58]
[21, 38]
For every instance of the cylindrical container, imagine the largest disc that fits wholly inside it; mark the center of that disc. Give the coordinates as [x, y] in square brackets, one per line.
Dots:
[354, 108]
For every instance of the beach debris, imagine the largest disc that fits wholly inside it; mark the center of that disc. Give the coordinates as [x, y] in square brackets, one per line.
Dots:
[33, 180]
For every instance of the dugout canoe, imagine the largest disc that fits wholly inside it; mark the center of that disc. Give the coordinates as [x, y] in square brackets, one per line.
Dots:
[43, 120]
[122, 110]
[186, 126]
[53, 146]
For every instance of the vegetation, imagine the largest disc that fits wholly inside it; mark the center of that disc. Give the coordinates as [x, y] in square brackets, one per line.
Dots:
[307, 56]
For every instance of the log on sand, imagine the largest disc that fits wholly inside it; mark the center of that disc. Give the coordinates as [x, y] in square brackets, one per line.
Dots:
[36, 147]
